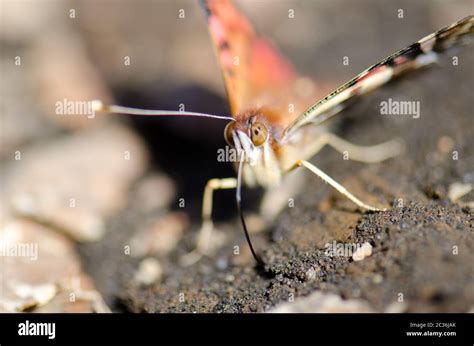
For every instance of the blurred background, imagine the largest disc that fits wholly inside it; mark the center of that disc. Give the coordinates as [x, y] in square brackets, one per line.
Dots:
[96, 193]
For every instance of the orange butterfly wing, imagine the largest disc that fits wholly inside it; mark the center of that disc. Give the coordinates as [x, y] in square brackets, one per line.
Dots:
[256, 75]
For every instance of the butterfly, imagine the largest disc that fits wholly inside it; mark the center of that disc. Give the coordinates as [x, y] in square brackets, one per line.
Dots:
[275, 125]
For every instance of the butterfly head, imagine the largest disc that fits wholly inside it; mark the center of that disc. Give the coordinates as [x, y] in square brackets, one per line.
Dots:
[248, 136]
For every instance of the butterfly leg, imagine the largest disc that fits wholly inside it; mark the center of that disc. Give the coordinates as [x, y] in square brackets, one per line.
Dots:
[333, 183]
[368, 154]
[205, 233]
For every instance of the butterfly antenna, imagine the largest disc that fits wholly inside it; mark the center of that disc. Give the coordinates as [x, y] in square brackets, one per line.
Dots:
[241, 213]
[98, 106]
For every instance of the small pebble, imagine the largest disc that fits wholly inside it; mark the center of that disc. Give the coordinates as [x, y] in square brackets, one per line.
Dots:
[222, 263]
[364, 251]
[149, 271]
[445, 144]
[377, 279]
[310, 274]
[457, 190]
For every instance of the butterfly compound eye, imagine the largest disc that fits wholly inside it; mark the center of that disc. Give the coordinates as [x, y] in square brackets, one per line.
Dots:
[259, 134]
[228, 133]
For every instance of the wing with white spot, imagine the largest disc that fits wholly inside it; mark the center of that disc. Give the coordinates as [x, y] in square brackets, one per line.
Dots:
[419, 54]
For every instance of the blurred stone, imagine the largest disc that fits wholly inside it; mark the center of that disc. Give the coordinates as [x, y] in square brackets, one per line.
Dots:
[65, 79]
[445, 144]
[458, 190]
[155, 192]
[396, 308]
[18, 108]
[160, 237]
[319, 302]
[74, 183]
[31, 296]
[149, 271]
[44, 274]
[54, 61]
[25, 20]
[362, 252]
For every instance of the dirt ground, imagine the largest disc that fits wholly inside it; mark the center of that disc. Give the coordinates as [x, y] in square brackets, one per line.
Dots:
[421, 248]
